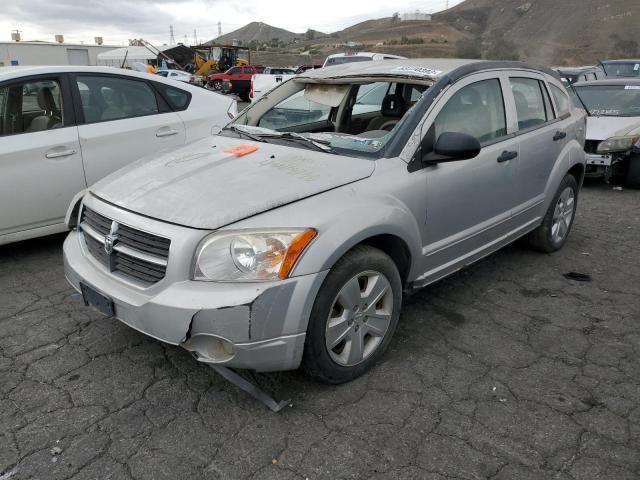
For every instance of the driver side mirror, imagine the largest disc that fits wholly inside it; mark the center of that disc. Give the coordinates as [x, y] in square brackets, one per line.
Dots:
[451, 147]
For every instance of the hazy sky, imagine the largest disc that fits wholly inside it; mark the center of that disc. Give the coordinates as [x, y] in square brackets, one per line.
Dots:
[118, 20]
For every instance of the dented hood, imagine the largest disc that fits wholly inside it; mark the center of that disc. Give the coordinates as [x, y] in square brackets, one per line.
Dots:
[206, 185]
[601, 128]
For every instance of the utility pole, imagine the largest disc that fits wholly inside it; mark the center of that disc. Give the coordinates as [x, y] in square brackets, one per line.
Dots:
[195, 37]
[219, 28]
[172, 39]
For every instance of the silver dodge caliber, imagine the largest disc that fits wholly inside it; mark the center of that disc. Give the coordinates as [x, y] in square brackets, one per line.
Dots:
[289, 238]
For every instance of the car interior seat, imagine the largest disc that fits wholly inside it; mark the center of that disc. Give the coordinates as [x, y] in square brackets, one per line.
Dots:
[51, 116]
[392, 109]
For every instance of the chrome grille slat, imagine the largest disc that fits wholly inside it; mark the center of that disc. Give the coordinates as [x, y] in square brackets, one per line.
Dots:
[134, 254]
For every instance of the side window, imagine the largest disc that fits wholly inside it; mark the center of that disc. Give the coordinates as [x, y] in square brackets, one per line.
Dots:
[561, 99]
[530, 102]
[177, 98]
[547, 102]
[235, 71]
[30, 107]
[295, 111]
[106, 98]
[477, 110]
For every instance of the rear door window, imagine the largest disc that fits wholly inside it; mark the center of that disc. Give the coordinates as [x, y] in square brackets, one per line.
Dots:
[531, 105]
[106, 98]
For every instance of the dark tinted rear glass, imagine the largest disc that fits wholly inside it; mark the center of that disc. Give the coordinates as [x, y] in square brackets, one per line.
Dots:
[177, 98]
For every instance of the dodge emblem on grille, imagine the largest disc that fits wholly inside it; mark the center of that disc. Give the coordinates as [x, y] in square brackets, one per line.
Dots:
[111, 238]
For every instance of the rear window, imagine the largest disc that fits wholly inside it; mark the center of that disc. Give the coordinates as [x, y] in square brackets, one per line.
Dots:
[177, 98]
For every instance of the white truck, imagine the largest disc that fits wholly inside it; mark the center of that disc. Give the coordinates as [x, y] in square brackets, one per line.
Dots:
[261, 83]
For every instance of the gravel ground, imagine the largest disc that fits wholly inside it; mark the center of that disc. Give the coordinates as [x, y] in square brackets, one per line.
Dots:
[507, 370]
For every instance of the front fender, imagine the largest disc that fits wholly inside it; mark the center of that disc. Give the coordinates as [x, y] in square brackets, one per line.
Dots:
[353, 226]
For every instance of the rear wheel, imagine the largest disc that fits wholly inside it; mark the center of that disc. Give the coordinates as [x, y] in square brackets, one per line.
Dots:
[217, 85]
[552, 233]
[633, 173]
[354, 316]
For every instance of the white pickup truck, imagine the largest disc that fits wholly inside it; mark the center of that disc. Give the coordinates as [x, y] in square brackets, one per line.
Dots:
[261, 83]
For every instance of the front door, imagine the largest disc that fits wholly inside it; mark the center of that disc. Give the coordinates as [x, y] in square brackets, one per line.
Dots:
[469, 202]
[40, 160]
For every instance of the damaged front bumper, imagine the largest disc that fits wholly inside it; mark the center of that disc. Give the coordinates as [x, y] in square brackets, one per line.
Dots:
[258, 326]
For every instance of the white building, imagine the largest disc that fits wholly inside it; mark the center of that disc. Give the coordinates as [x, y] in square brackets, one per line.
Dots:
[50, 53]
[417, 15]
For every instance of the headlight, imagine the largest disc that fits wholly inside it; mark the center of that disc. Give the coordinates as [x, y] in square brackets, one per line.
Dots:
[617, 144]
[250, 255]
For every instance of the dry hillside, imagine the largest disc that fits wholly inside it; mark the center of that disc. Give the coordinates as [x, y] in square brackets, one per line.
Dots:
[543, 31]
[552, 31]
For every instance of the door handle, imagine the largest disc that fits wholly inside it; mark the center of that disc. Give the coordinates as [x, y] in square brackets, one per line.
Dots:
[506, 156]
[559, 136]
[166, 133]
[60, 153]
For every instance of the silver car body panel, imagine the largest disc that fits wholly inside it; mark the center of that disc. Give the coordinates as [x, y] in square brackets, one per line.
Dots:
[444, 216]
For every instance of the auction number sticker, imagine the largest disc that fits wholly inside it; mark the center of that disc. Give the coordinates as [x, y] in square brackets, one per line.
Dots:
[428, 72]
[632, 87]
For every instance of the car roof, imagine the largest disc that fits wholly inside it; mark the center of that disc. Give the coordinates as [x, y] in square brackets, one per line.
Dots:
[628, 60]
[609, 81]
[419, 69]
[576, 70]
[361, 54]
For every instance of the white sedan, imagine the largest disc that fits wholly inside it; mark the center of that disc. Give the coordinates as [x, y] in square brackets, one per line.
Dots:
[64, 128]
[181, 76]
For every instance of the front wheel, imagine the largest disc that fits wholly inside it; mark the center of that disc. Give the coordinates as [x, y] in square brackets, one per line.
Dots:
[554, 230]
[354, 316]
[217, 85]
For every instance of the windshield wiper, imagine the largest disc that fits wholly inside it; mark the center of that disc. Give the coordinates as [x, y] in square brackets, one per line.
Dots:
[239, 131]
[318, 145]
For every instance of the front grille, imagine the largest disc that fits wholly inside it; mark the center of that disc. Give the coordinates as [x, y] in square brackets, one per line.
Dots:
[125, 251]
[591, 146]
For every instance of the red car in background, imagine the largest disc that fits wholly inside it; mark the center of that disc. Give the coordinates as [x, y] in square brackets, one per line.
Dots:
[238, 80]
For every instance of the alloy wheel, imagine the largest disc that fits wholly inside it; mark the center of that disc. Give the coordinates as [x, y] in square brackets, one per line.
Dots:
[563, 215]
[359, 318]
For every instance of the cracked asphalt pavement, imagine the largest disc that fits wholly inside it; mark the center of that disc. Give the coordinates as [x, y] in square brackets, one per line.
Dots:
[507, 370]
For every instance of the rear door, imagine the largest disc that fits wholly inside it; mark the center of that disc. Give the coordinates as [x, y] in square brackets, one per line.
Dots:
[40, 160]
[469, 203]
[542, 136]
[121, 119]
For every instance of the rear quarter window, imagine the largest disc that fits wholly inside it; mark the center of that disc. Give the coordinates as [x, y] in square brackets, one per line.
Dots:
[177, 98]
[563, 104]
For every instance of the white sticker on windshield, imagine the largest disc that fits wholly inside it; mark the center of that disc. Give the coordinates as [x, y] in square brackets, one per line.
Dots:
[632, 87]
[636, 66]
[428, 72]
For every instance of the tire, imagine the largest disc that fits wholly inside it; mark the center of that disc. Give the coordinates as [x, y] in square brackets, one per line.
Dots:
[217, 85]
[373, 272]
[633, 173]
[554, 230]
